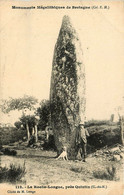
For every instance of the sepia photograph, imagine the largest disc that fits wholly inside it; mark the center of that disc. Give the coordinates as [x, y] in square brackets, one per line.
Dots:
[61, 97]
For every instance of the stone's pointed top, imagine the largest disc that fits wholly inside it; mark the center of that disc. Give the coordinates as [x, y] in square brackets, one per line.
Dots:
[66, 20]
[67, 27]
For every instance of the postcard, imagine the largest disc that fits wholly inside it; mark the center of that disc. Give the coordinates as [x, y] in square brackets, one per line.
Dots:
[61, 97]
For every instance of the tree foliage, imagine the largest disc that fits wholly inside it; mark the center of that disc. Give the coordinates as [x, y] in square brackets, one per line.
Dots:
[18, 103]
[44, 113]
[28, 102]
[18, 124]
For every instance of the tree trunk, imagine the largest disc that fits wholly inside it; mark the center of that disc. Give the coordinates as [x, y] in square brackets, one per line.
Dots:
[122, 130]
[28, 133]
[35, 133]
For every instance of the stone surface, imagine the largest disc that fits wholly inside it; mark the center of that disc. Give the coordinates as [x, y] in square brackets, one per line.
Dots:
[67, 93]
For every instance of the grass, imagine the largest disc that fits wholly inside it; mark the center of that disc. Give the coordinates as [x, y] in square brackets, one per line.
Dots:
[108, 174]
[47, 170]
[42, 168]
[12, 174]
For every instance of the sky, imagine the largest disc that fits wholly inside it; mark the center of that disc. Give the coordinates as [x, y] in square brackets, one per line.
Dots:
[27, 45]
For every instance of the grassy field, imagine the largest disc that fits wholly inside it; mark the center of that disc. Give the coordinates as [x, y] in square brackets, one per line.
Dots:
[43, 169]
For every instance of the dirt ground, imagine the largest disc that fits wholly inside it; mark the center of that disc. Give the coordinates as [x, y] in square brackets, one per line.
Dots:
[42, 168]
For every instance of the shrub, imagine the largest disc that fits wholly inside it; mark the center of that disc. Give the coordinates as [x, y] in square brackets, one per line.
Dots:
[97, 122]
[50, 144]
[76, 169]
[32, 140]
[12, 174]
[9, 152]
[108, 174]
[11, 134]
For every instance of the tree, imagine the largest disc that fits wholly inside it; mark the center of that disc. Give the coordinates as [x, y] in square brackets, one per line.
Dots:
[121, 121]
[18, 124]
[24, 104]
[120, 110]
[44, 113]
[32, 122]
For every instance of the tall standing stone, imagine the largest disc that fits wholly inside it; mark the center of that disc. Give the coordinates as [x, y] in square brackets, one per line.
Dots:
[67, 92]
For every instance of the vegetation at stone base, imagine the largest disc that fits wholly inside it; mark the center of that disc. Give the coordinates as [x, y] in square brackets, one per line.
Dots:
[108, 174]
[50, 144]
[12, 174]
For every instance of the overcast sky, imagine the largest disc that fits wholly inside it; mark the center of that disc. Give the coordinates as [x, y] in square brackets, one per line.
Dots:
[27, 44]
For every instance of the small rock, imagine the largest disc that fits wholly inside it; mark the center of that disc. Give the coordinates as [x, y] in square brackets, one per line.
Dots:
[122, 149]
[114, 150]
[96, 155]
[106, 152]
[116, 158]
[37, 144]
[1, 153]
[42, 142]
[122, 155]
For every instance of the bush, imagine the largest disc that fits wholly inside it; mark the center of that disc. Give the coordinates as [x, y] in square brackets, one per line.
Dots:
[76, 169]
[98, 123]
[11, 134]
[12, 174]
[109, 174]
[50, 144]
[32, 140]
[9, 152]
